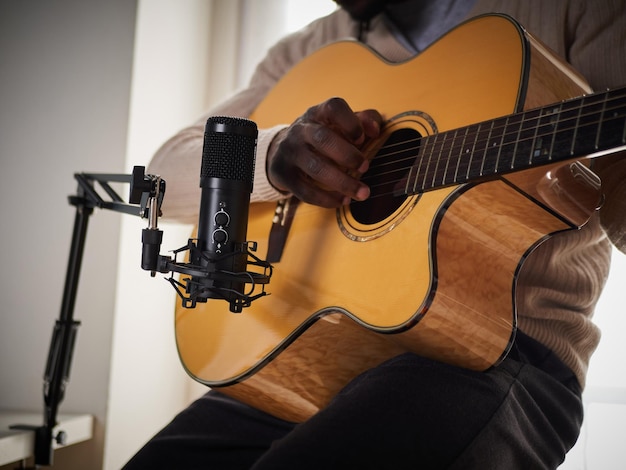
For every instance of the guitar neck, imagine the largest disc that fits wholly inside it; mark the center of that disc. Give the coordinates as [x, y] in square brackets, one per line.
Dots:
[574, 128]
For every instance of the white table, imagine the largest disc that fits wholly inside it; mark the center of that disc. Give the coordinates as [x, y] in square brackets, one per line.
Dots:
[17, 445]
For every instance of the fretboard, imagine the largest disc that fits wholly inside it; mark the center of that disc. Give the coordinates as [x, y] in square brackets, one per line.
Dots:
[570, 129]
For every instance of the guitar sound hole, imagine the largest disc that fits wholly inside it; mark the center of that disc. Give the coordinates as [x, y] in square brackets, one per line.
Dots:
[387, 176]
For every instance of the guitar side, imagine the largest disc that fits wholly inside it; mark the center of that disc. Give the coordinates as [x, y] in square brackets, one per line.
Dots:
[435, 275]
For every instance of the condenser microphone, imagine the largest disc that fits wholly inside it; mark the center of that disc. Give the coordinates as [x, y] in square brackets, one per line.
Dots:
[226, 179]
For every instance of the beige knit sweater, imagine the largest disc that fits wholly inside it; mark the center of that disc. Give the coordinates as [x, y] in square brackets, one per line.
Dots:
[563, 278]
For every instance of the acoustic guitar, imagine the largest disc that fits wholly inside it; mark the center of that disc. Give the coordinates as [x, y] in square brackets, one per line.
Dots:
[474, 169]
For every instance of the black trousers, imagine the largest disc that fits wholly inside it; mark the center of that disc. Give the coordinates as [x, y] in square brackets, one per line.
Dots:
[409, 412]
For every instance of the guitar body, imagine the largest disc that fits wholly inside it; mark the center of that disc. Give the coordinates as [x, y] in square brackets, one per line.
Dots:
[432, 273]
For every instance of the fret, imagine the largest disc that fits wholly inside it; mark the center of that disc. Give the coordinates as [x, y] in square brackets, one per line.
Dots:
[444, 176]
[422, 167]
[534, 141]
[619, 112]
[478, 151]
[596, 144]
[494, 147]
[622, 113]
[556, 115]
[510, 138]
[487, 144]
[517, 140]
[472, 153]
[442, 146]
[467, 153]
[612, 132]
[408, 180]
[543, 143]
[564, 134]
[461, 155]
[411, 183]
[588, 125]
[496, 164]
[575, 126]
[526, 139]
[427, 170]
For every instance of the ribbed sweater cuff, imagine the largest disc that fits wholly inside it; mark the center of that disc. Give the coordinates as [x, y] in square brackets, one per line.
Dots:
[263, 189]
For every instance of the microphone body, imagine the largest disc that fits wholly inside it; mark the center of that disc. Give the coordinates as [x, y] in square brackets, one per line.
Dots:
[226, 179]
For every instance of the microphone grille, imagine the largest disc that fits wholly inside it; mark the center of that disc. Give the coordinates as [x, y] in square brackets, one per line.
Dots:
[229, 149]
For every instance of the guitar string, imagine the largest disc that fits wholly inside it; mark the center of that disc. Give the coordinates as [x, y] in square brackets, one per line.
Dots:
[553, 119]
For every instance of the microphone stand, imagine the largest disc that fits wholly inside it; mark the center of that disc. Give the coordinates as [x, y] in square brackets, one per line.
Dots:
[58, 364]
[145, 199]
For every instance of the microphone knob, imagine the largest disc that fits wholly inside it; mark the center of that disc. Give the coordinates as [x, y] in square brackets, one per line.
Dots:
[220, 236]
[222, 219]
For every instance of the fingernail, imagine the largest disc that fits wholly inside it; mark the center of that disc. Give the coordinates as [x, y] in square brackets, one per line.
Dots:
[363, 193]
[374, 129]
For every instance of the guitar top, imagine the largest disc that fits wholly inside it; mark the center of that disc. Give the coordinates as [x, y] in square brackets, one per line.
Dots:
[429, 262]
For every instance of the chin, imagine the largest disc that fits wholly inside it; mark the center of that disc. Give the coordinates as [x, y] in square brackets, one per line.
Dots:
[362, 9]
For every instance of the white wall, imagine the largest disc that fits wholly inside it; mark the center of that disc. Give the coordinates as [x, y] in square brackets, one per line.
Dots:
[64, 93]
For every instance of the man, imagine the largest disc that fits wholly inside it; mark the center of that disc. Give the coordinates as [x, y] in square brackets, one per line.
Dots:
[412, 412]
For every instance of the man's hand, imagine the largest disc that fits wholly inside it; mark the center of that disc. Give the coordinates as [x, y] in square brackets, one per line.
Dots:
[319, 158]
